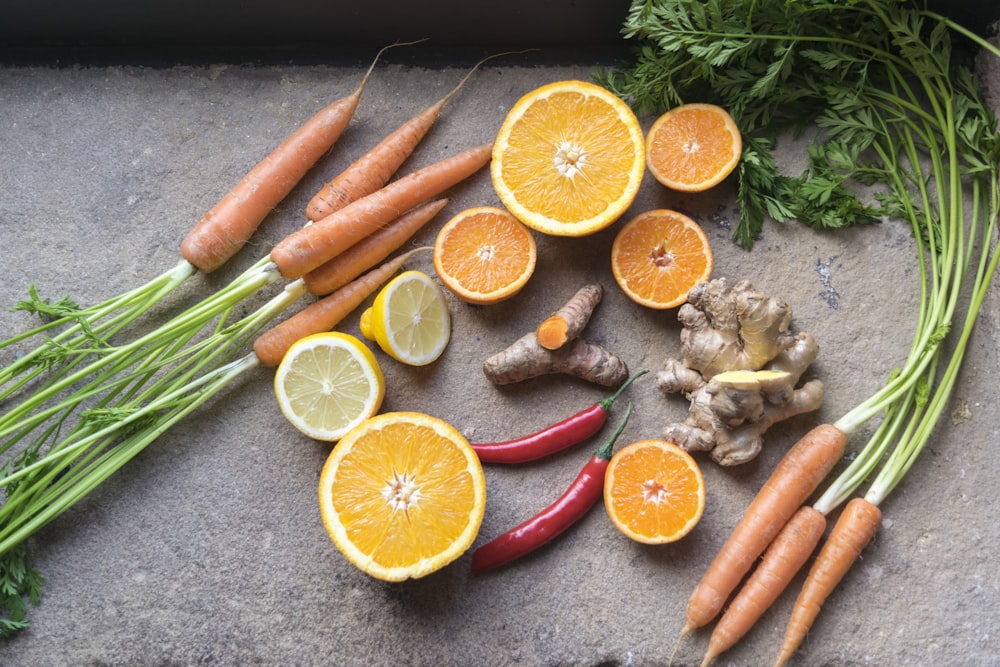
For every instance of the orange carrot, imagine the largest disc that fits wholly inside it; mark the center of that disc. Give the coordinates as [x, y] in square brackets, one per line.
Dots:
[323, 315]
[224, 230]
[313, 245]
[783, 559]
[797, 475]
[370, 251]
[374, 169]
[855, 528]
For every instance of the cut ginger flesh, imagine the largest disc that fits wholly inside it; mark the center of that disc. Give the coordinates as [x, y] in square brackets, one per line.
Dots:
[654, 492]
[402, 495]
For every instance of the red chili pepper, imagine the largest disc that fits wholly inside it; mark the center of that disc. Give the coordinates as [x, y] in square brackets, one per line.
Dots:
[554, 438]
[583, 493]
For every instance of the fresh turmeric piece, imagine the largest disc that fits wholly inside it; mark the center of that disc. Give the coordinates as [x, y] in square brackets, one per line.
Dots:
[568, 322]
[740, 370]
[526, 359]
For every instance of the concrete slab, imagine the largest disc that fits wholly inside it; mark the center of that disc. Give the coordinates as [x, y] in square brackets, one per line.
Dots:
[208, 549]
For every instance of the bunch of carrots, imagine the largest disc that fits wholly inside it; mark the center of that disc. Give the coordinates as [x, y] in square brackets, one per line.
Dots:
[78, 407]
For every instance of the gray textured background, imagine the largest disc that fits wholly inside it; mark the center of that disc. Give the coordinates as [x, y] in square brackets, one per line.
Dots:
[208, 548]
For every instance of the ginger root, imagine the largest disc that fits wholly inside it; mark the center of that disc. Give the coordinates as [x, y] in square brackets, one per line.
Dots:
[734, 328]
[556, 347]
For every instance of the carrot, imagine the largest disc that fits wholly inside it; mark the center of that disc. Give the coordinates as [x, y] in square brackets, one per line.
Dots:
[374, 169]
[369, 251]
[324, 314]
[308, 248]
[855, 528]
[797, 475]
[782, 560]
[229, 224]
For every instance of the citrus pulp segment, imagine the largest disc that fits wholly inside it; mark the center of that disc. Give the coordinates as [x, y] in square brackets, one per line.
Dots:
[569, 158]
[484, 255]
[654, 491]
[402, 495]
[328, 383]
[693, 147]
[409, 319]
[658, 256]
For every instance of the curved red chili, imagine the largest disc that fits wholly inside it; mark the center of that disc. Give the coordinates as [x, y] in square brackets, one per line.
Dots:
[554, 438]
[571, 506]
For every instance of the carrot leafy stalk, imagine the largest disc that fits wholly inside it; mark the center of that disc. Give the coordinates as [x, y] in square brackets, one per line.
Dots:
[898, 108]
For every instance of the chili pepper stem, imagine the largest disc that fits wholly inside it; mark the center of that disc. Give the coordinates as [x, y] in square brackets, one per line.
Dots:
[607, 449]
[606, 403]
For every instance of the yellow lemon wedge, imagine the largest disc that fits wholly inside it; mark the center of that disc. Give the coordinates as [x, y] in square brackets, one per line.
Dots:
[409, 319]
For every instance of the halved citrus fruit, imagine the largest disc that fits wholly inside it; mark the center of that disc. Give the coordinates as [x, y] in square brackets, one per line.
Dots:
[658, 256]
[409, 319]
[568, 159]
[484, 255]
[402, 495]
[693, 147]
[654, 491]
[328, 383]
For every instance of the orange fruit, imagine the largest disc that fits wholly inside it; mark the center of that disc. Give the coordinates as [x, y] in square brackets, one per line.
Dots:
[402, 495]
[693, 147]
[484, 255]
[568, 159]
[658, 256]
[654, 491]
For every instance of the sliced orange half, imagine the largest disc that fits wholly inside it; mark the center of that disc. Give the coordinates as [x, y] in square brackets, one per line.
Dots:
[693, 147]
[402, 495]
[654, 491]
[569, 158]
[658, 256]
[484, 255]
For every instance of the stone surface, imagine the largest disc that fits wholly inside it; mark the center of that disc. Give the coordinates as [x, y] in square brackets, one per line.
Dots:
[208, 549]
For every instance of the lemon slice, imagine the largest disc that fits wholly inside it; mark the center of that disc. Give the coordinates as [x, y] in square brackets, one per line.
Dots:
[409, 319]
[327, 384]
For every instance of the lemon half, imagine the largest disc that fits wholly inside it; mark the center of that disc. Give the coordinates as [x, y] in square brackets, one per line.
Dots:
[409, 319]
[327, 384]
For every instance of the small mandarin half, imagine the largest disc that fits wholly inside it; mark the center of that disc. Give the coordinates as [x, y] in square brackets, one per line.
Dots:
[658, 256]
[569, 158]
[654, 492]
[484, 255]
[693, 147]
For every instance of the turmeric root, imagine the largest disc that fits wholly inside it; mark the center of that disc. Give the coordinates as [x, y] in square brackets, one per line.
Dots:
[569, 321]
[526, 359]
[730, 329]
